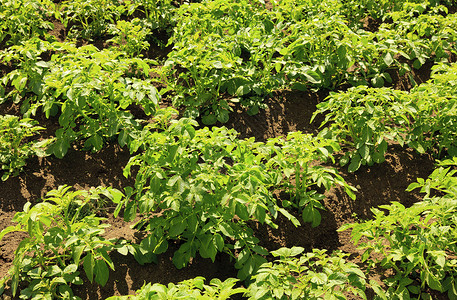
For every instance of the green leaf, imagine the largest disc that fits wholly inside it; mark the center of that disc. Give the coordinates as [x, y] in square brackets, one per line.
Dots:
[42, 64]
[217, 65]
[319, 278]
[242, 211]
[290, 217]
[72, 268]
[364, 151]
[377, 81]
[59, 148]
[89, 264]
[378, 290]
[77, 252]
[313, 77]
[219, 241]
[299, 86]
[311, 215]
[209, 119]
[355, 164]
[388, 59]
[177, 228]
[433, 282]
[417, 64]
[101, 272]
[243, 90]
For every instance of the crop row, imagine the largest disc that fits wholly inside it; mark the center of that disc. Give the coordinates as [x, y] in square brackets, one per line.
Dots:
[226, 53]
[198, 188]
[207, 184]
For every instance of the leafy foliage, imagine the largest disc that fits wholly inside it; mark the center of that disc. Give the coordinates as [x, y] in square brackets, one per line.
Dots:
[194, 288]
[207, 185]
[313, 275]
[63, 233]
[15, 147]
[364, 120]
[90, 19]
[418, 242]
[91, 90]
[131, 36]
[24, 19]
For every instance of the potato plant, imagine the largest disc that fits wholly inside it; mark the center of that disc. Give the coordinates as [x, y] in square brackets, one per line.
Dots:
[208, 184]
[364, 120]
[15, 147]
[91, 19]
[194, 289]
[417, 242]
[199, 188]
[64, 235]
[24, 19]
[89, 90]
[131, 36]
[218, 58]
[312, 275]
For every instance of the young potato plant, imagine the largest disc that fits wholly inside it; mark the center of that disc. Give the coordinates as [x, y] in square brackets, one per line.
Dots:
[130, 37]
[63, 233]
[14, 145]
[193, 289]
[24, 19]
[424, 37]
[418, 242]
[89, 90]
[90, 19]
[435, 121]
[201, 187]
[27, 79]
[223, 51]
[384, 10]
[296, 157]
[313, 275]
[364, 120]
[322, 56]
[160, 14]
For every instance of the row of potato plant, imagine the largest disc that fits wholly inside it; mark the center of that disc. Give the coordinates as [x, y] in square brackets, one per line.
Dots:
[365, 120]
[314, 275]
[24, 19]
[62, 234]
[249, 51]
[208, 184]
[241, 51]
[90, 91]
[220, 55]
[419, 242]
